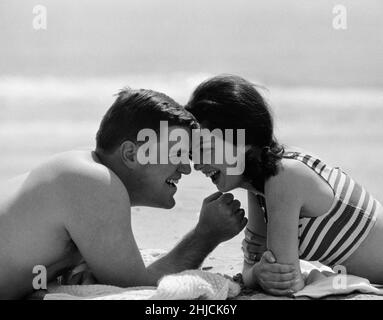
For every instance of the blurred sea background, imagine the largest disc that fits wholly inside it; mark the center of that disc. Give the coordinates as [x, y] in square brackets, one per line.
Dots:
[324, 85]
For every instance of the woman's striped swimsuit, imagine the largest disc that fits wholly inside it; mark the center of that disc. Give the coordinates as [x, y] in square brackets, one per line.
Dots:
[332, 237]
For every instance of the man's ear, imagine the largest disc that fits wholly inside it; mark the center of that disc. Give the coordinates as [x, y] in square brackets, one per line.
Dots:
[128, 153]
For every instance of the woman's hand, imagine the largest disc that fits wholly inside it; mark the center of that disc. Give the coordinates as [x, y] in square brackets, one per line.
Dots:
[276, 279]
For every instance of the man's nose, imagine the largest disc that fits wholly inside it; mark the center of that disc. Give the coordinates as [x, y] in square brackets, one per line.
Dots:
[184, 168]
[198, 166]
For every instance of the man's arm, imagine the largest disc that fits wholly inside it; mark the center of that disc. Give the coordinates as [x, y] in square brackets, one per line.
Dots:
[99, 223]
[98, 220]
[221, 219]
[189, 253]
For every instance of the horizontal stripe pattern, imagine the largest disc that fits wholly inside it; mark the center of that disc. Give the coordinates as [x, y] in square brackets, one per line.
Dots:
[332, 237]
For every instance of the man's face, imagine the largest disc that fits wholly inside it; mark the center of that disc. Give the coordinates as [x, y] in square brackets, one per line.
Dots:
[157, 183]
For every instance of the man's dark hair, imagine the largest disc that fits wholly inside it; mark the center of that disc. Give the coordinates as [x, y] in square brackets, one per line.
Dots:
[139, 109]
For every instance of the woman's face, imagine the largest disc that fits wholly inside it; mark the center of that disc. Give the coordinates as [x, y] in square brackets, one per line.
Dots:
[214, 163]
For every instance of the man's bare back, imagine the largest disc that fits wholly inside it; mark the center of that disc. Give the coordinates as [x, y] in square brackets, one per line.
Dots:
[34, 213]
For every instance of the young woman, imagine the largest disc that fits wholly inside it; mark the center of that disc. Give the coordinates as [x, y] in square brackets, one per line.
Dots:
[299, 207]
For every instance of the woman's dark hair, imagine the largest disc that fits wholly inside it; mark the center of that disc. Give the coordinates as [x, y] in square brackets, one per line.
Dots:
[139, 109]
[231, 102]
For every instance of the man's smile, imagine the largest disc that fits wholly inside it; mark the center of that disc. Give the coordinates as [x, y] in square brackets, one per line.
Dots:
[173, 181]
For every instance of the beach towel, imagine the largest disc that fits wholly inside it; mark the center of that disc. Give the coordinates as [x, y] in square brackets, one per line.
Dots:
[322, 281]
[186, 285]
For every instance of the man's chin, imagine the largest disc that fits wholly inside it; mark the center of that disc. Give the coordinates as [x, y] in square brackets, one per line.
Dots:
[169, 207]
[169, 204]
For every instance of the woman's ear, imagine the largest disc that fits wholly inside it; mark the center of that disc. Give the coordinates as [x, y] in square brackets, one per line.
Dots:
[128, 152]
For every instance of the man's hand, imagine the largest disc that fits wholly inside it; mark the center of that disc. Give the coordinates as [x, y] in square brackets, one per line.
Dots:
[276, 279]
[221, 217]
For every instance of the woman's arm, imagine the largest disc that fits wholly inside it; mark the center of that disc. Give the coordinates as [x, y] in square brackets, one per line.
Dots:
[254, 245]
[284, 203]
[259, 267]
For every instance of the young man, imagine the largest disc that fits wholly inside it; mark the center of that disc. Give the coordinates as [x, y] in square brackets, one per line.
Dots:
[78, 205]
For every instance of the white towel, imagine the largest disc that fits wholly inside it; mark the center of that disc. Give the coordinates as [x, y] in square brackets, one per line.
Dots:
[186, 285]
[196, 284]
[322, 281]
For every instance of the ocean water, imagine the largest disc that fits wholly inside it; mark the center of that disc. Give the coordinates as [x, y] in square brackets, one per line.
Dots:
[43, 116]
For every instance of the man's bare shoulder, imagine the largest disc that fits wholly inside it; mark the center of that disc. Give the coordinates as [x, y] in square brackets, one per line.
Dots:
[82, 163]
[82, 180]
